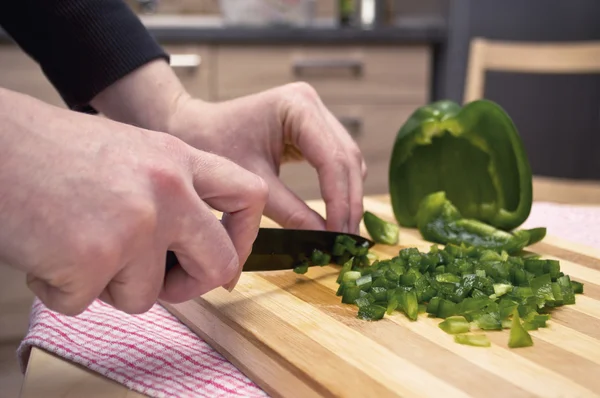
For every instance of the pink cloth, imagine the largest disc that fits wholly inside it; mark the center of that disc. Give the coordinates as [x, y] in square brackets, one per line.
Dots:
[157, 355]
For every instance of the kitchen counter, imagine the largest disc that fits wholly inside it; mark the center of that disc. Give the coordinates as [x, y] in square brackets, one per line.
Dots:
[48, 375]
[204, 29]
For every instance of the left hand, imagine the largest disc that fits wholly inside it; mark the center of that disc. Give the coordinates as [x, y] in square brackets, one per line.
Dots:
[264, 130]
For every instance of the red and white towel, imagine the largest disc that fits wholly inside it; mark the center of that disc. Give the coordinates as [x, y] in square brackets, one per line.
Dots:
[157, 355]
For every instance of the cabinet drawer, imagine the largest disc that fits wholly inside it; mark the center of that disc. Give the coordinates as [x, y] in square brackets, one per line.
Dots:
[18, 72]
[374, 128]
[341, 74]
[191, 64]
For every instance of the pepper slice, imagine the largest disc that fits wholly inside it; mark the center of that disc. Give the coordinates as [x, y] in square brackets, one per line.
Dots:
[519, 337]
[473, 153]
[476, 340]
[440, 221]
[381, 231]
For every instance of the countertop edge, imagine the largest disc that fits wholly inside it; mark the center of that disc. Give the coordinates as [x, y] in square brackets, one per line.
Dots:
[429, 31]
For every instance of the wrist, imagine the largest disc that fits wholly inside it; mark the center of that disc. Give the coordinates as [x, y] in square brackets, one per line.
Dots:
[147, 97]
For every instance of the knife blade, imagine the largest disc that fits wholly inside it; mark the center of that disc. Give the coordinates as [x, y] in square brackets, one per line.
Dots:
[279, 248]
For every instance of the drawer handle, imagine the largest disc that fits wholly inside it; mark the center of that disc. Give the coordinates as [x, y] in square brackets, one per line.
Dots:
[352, 124]
[355, 65]
[185, 61]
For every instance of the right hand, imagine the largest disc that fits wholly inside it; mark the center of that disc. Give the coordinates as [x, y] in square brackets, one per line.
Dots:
[90, 206]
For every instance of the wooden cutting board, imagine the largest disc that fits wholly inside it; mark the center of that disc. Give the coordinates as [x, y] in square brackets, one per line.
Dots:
[292, 335]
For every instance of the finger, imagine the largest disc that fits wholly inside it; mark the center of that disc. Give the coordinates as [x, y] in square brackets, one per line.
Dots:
[206, 255]
[231, 189]
[135, 289]
[288, 210]
[326, 153]
[65, 300]
[364, 171]
[357, 170]
[210, 253]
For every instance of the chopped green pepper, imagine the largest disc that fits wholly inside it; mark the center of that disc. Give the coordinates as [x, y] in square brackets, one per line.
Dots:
[455, 325]
[519, 337]
[440, 221]
[476, 340]
[371, 312]
[381, 231]
[464, 285]
[473, 153]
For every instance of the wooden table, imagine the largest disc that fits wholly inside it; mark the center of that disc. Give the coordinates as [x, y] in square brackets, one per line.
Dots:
[51, 376]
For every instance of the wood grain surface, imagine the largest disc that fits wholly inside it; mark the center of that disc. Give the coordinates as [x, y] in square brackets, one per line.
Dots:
[292, 335]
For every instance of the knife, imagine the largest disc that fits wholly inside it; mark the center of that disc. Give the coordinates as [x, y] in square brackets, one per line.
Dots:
[279, 248]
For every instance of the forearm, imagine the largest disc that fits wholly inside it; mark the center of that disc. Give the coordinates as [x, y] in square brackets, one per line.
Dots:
[82, 46]
[147, 97]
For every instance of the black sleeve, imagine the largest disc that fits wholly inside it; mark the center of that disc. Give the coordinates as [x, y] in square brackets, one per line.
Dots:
[82, 46]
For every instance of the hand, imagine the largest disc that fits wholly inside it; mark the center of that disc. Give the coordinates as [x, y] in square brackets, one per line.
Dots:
[262, 131]
[259, 132]
[90, 206]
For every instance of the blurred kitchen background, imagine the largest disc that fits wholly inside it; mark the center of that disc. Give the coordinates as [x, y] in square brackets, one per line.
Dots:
[373, 62]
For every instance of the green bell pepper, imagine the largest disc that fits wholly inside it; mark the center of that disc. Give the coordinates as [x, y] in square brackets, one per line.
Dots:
[473, 153]
[440, 221]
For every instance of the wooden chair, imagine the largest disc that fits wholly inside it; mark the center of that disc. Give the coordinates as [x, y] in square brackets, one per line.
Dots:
[527, 57]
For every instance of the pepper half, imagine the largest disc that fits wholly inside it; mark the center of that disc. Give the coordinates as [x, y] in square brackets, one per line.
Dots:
[472, 153]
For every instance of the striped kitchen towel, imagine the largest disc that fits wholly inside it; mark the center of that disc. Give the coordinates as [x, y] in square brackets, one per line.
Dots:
[157, 355]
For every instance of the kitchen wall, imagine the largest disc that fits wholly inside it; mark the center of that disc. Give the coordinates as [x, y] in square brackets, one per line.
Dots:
[558, 116]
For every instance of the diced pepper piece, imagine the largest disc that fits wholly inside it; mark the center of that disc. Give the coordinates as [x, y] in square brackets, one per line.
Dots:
[381, 231]
[351, 294]
[476, 340]
[379, 293]
[447, 278]
[474, 153]
[433, 306]
[371, 312]
[362, 302]
[489, 321]
[392, 304]
[455, 325]
[351, 276]
[501, 289]
[345, 268]
[410, 305]
[301, 269]
[364, 282]
[519, 337]
[577, 287]
[446, 309]
[319, 258]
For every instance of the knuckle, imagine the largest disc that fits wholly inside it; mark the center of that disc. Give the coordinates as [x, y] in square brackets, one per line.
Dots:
[144, 215]
[304, 89]
[261, 190]
[297, 220]
[165, 178]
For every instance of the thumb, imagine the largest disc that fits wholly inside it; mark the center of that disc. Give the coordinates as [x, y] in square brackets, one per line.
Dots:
[288, 210]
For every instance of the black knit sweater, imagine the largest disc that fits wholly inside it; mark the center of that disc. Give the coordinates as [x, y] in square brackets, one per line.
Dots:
[82, 46]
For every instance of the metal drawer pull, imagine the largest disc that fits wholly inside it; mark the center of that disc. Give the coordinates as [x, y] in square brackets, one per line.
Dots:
[352, 124]
[190, 61]
[355, 65]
